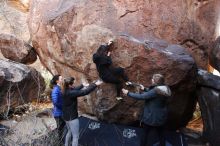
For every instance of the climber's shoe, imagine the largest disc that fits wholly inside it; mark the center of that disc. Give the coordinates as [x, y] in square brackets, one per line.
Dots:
[119, 98]
[128, 83]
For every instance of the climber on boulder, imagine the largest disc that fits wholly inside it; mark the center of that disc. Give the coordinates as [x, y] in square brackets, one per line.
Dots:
[107, 72]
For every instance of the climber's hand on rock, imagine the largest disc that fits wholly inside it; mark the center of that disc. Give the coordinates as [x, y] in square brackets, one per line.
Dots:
[98, 82]
[110, 41]
[125, 91]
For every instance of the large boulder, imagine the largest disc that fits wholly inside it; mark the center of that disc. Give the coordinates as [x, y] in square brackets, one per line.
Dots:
[17, 50]
[67, 33]
[214, 56]
[140, 64]
[209, 96]
[19, 84]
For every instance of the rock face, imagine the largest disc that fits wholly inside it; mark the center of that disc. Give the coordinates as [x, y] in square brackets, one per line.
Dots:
[19, 84]
[16, 50]
[75, 25]
[208, 93]
[13, 21]
[67, 33]
[215, 54]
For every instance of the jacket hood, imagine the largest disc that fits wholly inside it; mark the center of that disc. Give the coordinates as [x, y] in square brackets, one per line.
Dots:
[163, 90]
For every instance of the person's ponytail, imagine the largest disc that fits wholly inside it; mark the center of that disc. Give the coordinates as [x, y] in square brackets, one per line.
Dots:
[66, 83]
[54, 80]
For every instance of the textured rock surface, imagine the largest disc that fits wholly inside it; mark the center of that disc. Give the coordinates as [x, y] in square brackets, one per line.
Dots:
[19, 84]
[208, 93]
[31, 130]
[64, 25]
[17, 50]
[21, 5]
[13, 21]
[67, 33]
[215, 54]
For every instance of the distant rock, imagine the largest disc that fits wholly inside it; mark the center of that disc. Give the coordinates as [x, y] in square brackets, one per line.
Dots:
[19, 84]
[17, 50]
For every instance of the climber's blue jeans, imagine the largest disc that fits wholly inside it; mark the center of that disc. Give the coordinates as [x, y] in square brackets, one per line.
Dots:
[73, 130]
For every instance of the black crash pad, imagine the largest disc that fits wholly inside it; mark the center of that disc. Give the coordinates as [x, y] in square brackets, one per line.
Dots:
[96, 133]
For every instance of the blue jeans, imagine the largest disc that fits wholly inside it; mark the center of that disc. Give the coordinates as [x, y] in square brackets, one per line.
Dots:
[73, 130]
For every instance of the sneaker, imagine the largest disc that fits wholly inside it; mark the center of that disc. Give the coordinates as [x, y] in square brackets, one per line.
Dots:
[119, 98]
[128, 83]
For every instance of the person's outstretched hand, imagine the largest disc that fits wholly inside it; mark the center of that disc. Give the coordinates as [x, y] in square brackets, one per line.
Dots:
[125, 91]
[98, 82]
[142, 87]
